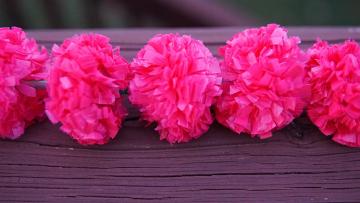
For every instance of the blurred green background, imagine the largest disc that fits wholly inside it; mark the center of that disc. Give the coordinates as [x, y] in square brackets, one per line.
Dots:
[34, 14]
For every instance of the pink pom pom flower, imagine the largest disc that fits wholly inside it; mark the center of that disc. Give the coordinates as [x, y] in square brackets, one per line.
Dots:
[334, 73]
[21, 62]
[264, 83]
[85, 78]
[175, 81]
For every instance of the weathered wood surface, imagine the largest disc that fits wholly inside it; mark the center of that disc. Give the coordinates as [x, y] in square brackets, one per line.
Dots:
[45, 165]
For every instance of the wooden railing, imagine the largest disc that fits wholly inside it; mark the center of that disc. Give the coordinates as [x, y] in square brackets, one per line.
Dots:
[45, 165]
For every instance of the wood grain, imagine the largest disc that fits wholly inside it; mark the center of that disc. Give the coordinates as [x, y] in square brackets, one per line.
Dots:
[45, 165]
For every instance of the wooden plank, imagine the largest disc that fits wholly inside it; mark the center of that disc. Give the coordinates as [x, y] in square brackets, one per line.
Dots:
[45, 165]
[136, 36]
[132, 40]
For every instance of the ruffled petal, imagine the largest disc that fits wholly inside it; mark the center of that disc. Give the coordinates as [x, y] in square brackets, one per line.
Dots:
[334, 75]
[175, 81]
[86, 76]
[22, 61]
[265, 86]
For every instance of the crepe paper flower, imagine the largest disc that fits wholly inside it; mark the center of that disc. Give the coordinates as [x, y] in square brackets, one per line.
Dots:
[85, 78]
[21, 62]
[175, 81]
[334, 73]
[264, 83]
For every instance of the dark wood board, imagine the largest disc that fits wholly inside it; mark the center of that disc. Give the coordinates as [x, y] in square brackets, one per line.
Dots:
[45, 165]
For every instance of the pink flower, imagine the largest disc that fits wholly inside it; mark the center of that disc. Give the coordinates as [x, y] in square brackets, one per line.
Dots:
[21, 62]
[85, 78]
[334, 73]
[175, 81]
[264, 85]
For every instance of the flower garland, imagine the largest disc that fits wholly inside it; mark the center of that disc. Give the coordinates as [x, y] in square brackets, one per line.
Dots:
[262, 81]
